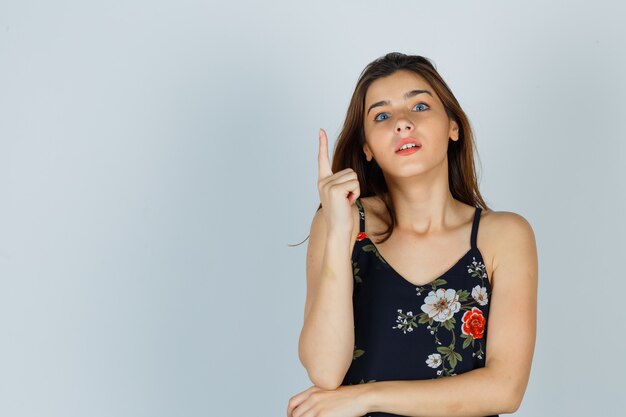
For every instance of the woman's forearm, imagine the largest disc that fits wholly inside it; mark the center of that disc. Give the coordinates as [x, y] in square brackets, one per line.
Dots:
[326, 342]
[474, 393]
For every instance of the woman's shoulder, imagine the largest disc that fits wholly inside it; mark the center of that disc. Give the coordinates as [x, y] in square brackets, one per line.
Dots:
[373, 204]
[504, 220]
[499, 228]
[376, 214]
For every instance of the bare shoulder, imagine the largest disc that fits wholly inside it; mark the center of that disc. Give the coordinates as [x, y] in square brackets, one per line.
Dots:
[375, 209]
[507, 235]
[504, 224]
[373, 202]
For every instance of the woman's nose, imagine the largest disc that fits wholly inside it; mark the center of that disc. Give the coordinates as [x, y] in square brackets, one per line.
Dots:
[404, 125]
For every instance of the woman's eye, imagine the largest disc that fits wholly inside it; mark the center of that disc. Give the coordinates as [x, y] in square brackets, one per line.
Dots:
[379, 114]
[377, 119]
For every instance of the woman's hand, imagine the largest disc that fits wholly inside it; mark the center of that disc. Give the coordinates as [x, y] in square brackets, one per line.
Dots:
[337, 191]
[345, 401]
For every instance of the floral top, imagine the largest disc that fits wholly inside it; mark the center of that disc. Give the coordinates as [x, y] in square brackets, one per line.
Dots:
[408, 332]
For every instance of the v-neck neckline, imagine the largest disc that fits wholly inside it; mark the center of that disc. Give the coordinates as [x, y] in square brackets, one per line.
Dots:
[395, 272]
[431, 282]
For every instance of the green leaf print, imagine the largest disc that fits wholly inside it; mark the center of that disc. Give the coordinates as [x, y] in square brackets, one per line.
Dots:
[355, 271]
[357, 353]
[463, 295]
[449, 324]
[452, 362]
[372, 248]
[453, 358]
[468, 341]
[439, 282]
[444, 349]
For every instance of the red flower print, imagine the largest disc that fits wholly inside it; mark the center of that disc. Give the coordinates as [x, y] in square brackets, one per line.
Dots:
[473, 323]
[361, 236]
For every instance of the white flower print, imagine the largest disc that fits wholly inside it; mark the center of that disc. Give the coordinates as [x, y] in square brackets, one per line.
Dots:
[434, 360]
[477, 269]
[480, 295]
[441, 305]
[405, 321]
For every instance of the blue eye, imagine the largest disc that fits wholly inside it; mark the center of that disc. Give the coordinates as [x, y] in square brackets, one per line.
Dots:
[380, 114]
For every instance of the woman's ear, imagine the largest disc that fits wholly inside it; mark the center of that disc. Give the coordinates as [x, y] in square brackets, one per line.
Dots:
[368, 153]
[453, 133]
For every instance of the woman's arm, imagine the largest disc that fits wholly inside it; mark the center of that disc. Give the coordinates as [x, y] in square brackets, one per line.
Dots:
[500, 386]
[326, 343]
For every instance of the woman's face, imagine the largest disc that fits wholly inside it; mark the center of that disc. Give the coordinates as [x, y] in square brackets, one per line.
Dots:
[392, 115]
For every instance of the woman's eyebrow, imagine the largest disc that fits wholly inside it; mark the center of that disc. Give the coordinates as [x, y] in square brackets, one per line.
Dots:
[407, 95]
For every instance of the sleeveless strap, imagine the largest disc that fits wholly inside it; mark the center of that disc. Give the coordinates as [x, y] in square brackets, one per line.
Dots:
[475, 227]
[361, 215]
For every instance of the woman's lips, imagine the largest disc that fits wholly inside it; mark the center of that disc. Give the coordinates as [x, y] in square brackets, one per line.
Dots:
[409, 151]
[406, 141]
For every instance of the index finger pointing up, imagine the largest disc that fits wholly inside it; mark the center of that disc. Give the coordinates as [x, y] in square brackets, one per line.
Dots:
[323, 163]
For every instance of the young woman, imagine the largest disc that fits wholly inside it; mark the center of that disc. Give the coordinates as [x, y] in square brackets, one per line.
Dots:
[412, 309]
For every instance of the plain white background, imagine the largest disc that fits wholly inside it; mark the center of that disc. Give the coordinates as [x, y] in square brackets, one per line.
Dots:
[157, 157]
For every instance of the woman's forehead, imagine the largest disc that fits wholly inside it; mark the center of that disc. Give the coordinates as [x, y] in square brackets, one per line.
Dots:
[393, 87]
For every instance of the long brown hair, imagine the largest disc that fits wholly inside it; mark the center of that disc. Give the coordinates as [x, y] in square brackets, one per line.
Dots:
[348, 152]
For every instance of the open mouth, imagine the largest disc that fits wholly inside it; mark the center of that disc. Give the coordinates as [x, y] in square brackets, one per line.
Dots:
[409, 142]
[408, 146]
[409, 150]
